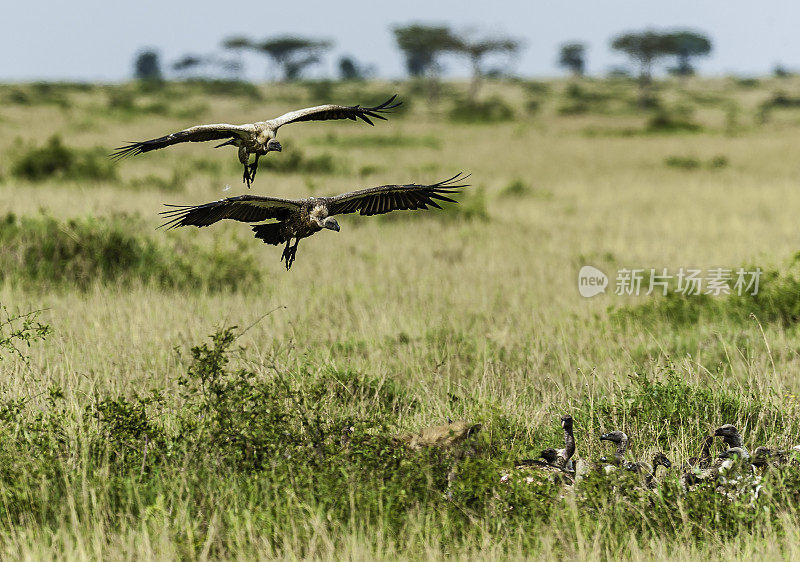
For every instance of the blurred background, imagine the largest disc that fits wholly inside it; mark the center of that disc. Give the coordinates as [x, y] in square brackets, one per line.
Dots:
[91, 40]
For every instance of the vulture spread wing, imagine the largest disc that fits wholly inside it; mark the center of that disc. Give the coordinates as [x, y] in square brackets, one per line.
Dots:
[331, 112]
[386, 198]
[244, 208]
[198, 133]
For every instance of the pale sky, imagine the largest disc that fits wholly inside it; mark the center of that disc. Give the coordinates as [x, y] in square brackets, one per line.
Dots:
[91, 40]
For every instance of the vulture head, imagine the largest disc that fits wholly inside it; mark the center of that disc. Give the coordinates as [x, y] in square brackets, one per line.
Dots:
[331, 224]
[660, 459]
[761, 456]
[549, 455]
[566, 422]
[617, 437]
[274, 145]
[729, 434]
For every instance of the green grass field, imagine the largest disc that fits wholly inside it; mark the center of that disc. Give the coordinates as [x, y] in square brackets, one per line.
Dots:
[127, 433]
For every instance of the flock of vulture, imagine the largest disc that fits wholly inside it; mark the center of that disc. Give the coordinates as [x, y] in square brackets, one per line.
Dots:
[733, 472]
[733, 462]
[295, 219]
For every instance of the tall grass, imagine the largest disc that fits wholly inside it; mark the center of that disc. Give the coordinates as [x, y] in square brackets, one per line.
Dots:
[126, 433]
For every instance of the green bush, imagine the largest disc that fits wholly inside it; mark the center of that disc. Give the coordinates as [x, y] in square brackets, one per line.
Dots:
[775, 302]
[685, 162]
[295, 162]
[664, 122]
[379, 141]
[492, 110]
[692, 163]
[54, 160]
[42, 251]
[516, 188]
[782, 100]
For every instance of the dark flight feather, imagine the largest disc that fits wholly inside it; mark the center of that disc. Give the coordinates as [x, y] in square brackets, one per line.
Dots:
[386, 198]
[244, 208]
[333, 112]
[200, 133]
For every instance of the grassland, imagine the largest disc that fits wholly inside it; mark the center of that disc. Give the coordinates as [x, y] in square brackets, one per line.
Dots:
[128, 433]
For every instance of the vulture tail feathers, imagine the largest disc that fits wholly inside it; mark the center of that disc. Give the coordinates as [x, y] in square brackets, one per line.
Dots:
[270, 233]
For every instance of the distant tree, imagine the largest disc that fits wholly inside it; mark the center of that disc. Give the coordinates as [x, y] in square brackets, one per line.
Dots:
[147, 66]
[350, 69]
[478, 49]
[422, 45]
[780, 71]
[685, 45]
[189, 66]
[645, 49]
[292, 55]
[237, 44]
[572, 56]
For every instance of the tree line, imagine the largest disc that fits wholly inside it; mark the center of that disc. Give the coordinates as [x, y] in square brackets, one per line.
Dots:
[423, 48]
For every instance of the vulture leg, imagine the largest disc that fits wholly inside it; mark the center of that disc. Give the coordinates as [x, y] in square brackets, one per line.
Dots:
[253, 167]
[244, 158]
[289, 253]
[246, 175]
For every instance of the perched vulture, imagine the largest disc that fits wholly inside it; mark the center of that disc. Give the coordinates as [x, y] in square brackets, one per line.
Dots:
[300, 218]
[257, 138]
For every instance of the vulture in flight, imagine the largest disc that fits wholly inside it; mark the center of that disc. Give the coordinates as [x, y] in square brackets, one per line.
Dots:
[300, 218]
[257, 138]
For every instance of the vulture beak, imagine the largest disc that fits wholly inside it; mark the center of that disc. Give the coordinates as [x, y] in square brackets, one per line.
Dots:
[278, 147]
[331, 224]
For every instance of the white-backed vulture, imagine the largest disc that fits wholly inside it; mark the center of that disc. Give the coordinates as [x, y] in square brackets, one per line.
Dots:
[257, 138]
[300, 218]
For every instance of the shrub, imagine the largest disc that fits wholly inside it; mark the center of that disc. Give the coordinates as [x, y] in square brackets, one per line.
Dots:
[685, 162]
[379, 141]
[692, 163]
[782, 100]
[42, 251]
[18, 330]
[492, 110]
[664, 122]
[295, 162]
[54, 160]
[516, 188]
[775, 302]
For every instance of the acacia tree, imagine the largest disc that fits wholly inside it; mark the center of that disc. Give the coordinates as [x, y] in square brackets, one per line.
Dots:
[422, 46]
[190, 66]
[238, 44]
[645, 49]
[478, 49]
[572, 56]
[292, 55]
[685, 45]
